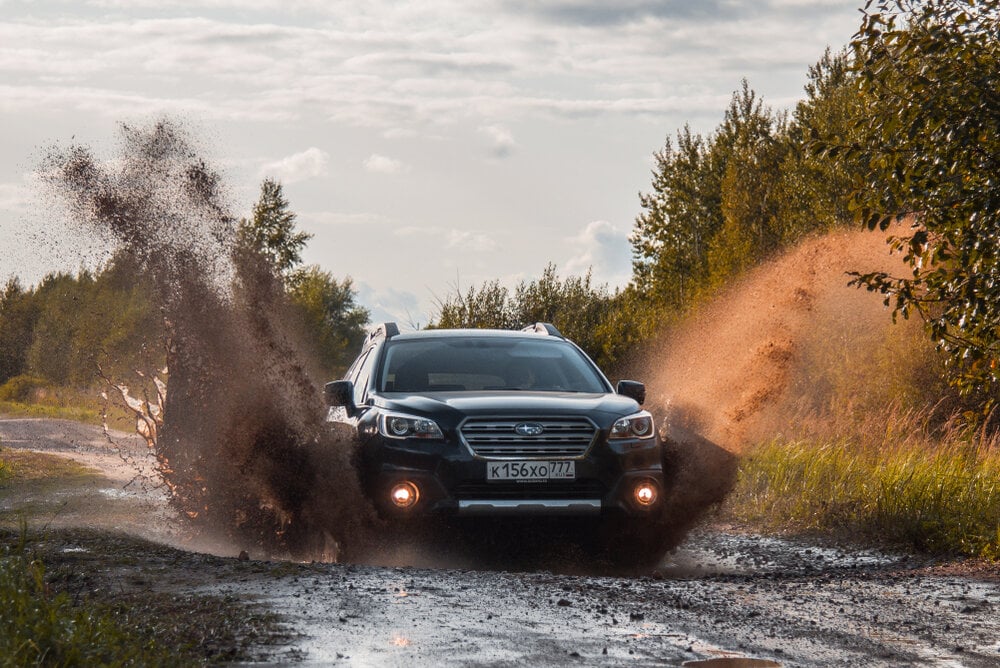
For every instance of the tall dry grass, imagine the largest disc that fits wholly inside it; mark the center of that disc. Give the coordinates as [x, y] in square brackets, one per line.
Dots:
[896, 478]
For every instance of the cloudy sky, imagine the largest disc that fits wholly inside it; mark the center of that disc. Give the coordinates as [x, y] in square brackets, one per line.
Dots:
[424, 144]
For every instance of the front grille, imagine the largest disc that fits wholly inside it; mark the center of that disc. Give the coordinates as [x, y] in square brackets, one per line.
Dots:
[580, 489]
[560, 437]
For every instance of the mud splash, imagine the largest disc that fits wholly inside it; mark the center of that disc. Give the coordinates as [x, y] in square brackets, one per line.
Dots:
[770, 355]
[243, 445]
[779, 345]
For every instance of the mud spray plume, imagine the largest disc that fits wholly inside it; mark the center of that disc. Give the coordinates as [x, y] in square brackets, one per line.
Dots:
[751, 362]
[778, 349]
[243, 445]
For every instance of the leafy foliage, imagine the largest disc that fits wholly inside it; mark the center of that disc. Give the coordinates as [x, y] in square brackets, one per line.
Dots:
[587, 314]
[932, 72]
[489, 306]
[681, 214]
[18, 315]
[70, 330]
[718, 206]
[722, 204]
[271, 232]
[748, 150]
[269, 242]
[817, 175]
[336, 323]
[41, 627]
[68, 325]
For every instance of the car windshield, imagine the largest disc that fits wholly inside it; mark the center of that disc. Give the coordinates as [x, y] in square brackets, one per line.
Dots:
[475, 364]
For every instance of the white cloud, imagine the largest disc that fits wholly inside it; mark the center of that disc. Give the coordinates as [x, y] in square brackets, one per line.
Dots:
[306, 164]
[400, 133]
[392, 305]
[380, 164]
[15, 197]
[340, 219]
[397, 68]
[583, 90]
[502, 140]
[472, 241]
[453, 239]
[604, 249]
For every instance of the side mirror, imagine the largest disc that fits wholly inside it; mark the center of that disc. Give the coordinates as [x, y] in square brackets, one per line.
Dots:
[632, 389]
[340, 393]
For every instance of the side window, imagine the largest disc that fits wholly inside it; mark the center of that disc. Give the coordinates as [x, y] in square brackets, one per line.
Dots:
[364, 374]
[352, 373]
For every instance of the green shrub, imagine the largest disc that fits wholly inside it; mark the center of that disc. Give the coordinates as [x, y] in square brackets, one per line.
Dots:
[24, 389]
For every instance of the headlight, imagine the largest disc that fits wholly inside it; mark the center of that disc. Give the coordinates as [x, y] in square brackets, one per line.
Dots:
[639, 425]
[397, 425]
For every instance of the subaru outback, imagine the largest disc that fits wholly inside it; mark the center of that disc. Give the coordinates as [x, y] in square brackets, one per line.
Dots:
[497, 423]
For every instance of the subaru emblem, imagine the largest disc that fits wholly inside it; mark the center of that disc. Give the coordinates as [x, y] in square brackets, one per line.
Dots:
[529, 429]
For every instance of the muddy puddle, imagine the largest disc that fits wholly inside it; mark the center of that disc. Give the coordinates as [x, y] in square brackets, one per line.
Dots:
[125, 492]
[722, 596]
[791, 614]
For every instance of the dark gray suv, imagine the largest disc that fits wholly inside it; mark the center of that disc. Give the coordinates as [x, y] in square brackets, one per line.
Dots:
[497, 423]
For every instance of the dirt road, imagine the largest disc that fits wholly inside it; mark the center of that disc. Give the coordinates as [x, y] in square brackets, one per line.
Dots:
[723, 595]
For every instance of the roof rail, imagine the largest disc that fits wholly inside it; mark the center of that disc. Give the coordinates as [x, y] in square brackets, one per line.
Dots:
[386, 331]
[544, 328]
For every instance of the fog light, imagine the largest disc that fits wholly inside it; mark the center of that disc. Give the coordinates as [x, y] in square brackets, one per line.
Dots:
[404, 494]
[645, 493]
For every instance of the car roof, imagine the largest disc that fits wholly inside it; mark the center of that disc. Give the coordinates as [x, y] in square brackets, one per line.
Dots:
[472, 333]
[390, 331]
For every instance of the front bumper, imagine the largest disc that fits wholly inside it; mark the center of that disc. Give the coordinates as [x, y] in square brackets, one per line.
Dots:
[452, 482]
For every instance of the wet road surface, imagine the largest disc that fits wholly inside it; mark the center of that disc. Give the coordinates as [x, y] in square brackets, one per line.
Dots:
[723, 594]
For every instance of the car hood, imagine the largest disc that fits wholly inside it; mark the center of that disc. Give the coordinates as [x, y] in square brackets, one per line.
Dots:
[458, 405]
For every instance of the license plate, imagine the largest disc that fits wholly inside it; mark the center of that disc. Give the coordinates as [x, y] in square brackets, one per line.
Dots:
[531, 470]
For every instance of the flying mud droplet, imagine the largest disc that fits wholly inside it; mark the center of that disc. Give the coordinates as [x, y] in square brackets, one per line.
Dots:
[243, 445]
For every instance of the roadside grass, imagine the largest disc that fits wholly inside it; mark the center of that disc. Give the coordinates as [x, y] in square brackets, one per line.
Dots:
[83, 414]
[85, 598]
[5, 471]
[63, 600]
[894, 481]
[27, 466]
[39, 626]
[82, 597]
[29, 396]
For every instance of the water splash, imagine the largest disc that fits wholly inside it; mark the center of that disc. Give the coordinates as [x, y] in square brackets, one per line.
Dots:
[243, 444]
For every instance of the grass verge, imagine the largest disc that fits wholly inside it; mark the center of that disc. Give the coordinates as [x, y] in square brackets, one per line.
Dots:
[933, 495]
[87, 415]
[40, 626]
[83, 597]
[25, 396]
[30, 467]
[5, 468]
